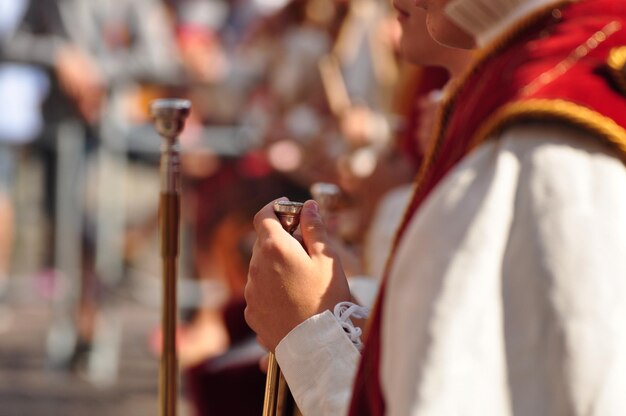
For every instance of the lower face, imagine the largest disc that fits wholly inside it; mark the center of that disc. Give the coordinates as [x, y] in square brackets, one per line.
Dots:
[441, 28]
[416, 44]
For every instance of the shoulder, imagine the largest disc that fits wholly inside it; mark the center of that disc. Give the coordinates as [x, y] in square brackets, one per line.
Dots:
[556, 142]
[564, 166]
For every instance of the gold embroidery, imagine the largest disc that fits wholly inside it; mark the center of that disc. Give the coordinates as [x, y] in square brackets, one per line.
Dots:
[617, 64]
[576, 55]
[542, 109]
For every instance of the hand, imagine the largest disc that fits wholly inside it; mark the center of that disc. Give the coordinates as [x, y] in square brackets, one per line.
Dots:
[81, 79]
[289, 282]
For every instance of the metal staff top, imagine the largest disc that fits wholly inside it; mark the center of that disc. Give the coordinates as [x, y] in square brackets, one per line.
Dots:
[169, 116]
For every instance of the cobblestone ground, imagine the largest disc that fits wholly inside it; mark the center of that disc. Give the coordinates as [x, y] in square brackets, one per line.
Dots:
[29, 388]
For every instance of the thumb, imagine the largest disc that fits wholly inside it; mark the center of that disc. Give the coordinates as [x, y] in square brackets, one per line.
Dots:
[312, 228]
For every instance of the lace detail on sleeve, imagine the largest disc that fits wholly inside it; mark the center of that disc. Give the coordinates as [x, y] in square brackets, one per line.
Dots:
[343, 311]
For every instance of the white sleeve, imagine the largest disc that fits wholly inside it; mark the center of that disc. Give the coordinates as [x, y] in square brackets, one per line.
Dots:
[564, 279]
[319, 363]
[506, 295]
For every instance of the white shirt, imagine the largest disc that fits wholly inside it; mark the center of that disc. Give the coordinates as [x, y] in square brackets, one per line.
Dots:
[506, 295]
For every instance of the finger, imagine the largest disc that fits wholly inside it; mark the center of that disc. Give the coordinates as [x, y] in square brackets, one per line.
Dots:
[313, 229]
[266, 219]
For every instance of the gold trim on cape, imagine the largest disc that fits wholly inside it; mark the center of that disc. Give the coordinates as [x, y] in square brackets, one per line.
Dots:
[556, 110]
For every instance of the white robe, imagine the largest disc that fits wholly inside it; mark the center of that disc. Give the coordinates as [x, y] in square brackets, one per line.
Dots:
[507, 295]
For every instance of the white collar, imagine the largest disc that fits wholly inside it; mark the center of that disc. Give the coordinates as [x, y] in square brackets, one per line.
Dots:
[488, 19]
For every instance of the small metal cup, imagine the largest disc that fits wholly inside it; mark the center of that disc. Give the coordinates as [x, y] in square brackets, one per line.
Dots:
[169, 116]
[288, 213]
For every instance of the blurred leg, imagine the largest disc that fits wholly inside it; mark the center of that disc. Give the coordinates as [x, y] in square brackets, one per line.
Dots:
[6, 232]
[6, 214]
[6, 236]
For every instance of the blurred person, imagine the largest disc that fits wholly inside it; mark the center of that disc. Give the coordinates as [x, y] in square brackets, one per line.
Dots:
[386, 192]
[441, 65]
[499, 297]
[279, 85]
[198, 25]
[362, 125]
[93, 51]
[21, 90]
[209, 381]
[218, 350]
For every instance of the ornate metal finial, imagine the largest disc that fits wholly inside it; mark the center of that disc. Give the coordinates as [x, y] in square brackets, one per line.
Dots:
[288, 213]
[169, 116]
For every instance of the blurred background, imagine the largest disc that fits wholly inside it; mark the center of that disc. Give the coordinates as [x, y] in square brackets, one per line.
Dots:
[285, 94]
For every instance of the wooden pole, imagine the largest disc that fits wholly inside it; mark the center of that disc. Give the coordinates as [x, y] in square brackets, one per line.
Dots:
[169, 116]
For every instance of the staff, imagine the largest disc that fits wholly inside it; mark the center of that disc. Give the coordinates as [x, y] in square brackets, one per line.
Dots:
[169, 117]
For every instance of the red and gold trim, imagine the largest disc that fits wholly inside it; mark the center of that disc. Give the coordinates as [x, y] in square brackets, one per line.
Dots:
[554, 110]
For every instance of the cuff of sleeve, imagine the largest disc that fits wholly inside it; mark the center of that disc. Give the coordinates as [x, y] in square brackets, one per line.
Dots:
[319, 363]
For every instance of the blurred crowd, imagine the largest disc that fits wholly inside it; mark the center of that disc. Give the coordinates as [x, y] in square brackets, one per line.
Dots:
[285, 94]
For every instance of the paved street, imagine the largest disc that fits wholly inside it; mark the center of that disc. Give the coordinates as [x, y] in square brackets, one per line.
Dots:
[27, 388]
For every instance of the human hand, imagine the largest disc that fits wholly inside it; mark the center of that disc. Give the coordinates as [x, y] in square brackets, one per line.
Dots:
[81, 79]
[202, 55]
[289, 282]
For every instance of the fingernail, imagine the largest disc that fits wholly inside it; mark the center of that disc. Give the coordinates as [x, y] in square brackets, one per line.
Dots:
[313, 207]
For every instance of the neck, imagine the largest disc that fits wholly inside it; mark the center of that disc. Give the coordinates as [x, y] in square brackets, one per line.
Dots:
[457, 63]
[488, 19]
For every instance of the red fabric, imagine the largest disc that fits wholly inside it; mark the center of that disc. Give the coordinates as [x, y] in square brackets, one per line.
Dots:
[496, 82]
[228, 384]
[367, 397]
[215, 389]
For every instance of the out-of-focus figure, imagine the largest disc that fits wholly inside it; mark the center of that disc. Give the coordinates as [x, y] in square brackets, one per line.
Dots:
[22, 88]
[419, 95]
[94, 52]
